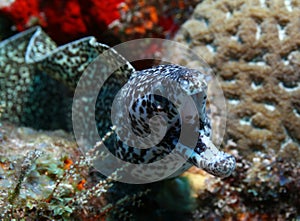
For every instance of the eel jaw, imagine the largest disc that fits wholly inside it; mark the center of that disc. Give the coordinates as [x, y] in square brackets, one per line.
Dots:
[207, 157]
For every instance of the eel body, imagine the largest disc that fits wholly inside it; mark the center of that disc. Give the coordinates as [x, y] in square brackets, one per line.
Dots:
[159, 111]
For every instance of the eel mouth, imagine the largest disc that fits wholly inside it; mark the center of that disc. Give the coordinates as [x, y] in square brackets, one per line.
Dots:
[209, 158]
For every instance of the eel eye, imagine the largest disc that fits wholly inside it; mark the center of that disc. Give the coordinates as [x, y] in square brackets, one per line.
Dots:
[184, 82]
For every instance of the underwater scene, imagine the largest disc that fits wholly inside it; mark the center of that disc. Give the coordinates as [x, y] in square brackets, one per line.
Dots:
[154, 110]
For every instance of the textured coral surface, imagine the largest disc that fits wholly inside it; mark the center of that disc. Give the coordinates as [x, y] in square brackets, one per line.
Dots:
[253, 48]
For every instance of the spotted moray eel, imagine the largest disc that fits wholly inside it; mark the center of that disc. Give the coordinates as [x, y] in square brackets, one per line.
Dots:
[33, 68]
[164, 91]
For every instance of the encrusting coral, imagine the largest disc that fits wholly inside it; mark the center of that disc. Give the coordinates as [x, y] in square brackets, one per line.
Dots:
[253, 48]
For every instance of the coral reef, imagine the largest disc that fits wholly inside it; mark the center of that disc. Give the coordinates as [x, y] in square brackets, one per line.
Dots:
[69, 20]
[73, 19]
[63, 20]
[253, 47]
[27, 182]
[52, 181]
[263, 188]
[151, 18]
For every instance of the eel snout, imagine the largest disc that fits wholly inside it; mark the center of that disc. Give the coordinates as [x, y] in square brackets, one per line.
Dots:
[223, 167]
[209, 158]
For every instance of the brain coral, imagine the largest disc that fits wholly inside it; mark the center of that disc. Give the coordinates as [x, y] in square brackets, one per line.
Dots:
[253, 48]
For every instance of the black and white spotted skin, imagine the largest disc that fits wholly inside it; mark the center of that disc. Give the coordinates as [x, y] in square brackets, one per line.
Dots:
[160, 94]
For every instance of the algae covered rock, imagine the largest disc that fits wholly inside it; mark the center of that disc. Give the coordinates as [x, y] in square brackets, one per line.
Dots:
[31, 163]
